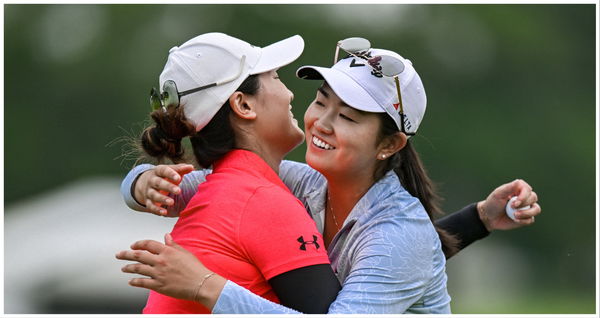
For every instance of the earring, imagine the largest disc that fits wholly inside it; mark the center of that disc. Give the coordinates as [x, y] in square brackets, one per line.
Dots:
[383, 156]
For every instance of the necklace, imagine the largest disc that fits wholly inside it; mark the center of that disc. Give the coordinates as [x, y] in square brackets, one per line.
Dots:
[337, 226]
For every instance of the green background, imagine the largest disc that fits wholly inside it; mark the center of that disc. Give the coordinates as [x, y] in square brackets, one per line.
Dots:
[511, 94]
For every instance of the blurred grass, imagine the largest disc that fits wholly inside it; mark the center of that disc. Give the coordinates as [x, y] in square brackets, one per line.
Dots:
[536, 302]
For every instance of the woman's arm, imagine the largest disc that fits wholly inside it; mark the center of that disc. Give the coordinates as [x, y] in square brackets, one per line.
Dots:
[381, 280]
[175, 272]
[477, 220]
[309, 289]
[470, 224]
[465, 224]
[149, 188]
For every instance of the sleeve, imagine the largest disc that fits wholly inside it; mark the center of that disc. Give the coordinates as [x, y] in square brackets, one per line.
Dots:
[189, 186]
[292, 240]
[127, 186]
[296, 288]
[235, 299]
[389, 275]
[465, 224]
[299, 177]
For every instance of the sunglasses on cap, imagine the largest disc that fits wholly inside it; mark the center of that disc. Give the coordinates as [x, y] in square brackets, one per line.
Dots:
[170, 96]
[382, 65]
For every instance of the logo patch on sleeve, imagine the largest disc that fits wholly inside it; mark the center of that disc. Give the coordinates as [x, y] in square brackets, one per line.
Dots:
[303, 243]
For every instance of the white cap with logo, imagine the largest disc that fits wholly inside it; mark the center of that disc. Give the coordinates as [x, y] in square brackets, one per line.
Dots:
[212, 57]
[354, 81]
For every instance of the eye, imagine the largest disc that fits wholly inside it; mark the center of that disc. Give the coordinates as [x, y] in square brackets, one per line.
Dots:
[319, 103]
[347, 118]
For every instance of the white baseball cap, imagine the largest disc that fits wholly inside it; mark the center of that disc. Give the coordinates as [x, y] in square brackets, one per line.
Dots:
[213, 57]
[352, 79]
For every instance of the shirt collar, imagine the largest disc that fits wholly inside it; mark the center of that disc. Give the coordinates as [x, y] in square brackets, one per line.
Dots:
[249, 163]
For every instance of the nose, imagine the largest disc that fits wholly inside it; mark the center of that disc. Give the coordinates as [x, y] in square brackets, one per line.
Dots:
[291, 95]
[323, 124]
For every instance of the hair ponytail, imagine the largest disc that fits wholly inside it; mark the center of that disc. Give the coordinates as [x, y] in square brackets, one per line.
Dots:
[413, 176]
[163, 140]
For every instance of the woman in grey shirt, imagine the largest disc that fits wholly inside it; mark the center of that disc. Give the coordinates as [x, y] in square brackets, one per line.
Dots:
[368, 194]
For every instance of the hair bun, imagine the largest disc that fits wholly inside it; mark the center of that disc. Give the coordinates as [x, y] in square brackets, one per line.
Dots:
[164, 139]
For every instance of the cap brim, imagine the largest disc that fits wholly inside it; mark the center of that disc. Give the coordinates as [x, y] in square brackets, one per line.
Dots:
[343, 86]
[279, 54]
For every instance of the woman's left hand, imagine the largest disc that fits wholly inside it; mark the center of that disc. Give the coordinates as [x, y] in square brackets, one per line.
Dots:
[171, 270]
[492, 209]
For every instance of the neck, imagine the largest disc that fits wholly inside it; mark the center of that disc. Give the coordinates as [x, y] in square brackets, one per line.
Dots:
[344, 194]
[272, 157]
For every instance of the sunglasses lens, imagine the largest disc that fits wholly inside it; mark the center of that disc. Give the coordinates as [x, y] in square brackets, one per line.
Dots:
[170, 96]
[354, 45]
[154, 99]
[391, 66]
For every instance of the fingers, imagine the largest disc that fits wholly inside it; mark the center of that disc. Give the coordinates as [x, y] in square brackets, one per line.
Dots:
[535, 210]
[138, 268]
[155, 208]
[522, 190]
[170, 242]
[527, 221]
[530, 200]
[163, 186]
[159, 196]
[151, 246]
[140, 256]
[168, 172]
[148, 283]
[183, 168]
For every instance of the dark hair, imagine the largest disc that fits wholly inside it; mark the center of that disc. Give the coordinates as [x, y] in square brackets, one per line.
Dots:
[217, 138]
[407, 164]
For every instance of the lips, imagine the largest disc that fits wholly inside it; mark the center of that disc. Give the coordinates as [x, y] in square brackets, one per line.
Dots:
[319, 143]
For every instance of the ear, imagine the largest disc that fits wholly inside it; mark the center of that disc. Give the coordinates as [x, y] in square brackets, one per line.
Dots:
[390, 145]
[242, 105]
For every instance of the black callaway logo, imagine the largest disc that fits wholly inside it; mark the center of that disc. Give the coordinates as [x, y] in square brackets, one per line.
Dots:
[373, 61]
[354, 64]
[303, 243]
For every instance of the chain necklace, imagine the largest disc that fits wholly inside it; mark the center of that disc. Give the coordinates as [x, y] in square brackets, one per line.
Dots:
[332, 214]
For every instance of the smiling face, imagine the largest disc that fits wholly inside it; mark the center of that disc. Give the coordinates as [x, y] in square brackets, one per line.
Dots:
[341, 141]
[276, 123]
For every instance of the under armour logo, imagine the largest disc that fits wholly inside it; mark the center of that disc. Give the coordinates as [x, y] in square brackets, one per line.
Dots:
[303, 242]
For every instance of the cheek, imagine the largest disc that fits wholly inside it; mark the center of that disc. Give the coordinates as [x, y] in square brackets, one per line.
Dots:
[309, 118]
[359, 143]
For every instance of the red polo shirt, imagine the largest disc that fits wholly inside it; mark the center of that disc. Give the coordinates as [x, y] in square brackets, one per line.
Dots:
[245, 225]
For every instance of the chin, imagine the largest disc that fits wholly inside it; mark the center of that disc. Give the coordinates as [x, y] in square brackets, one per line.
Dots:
[316, 162]
[299, 137]
[295, 140]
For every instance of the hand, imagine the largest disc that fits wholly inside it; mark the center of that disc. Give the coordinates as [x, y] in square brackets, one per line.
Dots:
[492, 209]
[153, 186]
[171, 271]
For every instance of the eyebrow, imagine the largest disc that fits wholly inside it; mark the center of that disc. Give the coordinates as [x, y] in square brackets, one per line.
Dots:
[322, 90]
[342, 103]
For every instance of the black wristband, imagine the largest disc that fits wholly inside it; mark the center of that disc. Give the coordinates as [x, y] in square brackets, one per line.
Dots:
[465, 224]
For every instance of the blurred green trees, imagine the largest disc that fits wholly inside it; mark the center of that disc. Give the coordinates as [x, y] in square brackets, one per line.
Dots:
[511, 94]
